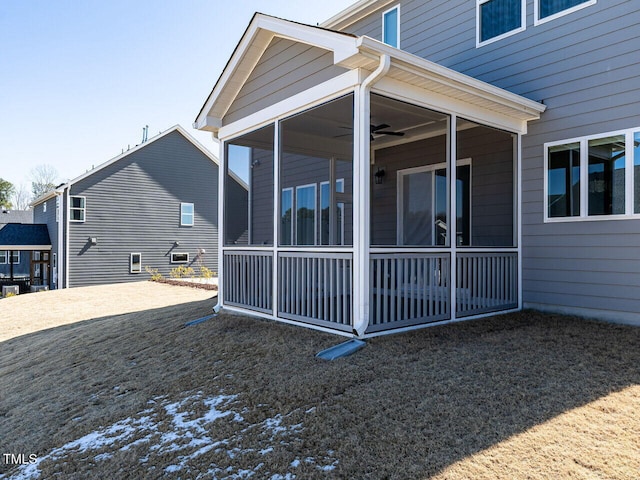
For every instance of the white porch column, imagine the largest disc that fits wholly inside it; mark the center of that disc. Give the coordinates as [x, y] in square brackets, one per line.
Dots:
[222, 169]
[452, 164]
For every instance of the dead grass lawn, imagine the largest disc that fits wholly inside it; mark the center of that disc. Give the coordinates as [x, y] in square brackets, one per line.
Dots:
[518, 396]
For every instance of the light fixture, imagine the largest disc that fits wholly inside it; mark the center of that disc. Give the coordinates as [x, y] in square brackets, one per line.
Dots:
[379, 176]
[93, 240]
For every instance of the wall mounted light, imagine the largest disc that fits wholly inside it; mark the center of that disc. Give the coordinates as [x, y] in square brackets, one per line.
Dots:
[379, 176]
[93, 240]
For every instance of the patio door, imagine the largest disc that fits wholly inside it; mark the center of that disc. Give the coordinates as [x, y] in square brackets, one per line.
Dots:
[422, 205]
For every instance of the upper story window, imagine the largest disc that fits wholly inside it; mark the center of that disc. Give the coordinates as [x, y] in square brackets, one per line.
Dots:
[186, 214]
[77, 209]
[497, 19]
[593, 177]
[391, 27]
[549, 9]
[44, 207]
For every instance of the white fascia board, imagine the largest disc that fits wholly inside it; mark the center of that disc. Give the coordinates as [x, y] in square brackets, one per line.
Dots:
[353, 13]
[254, 42]
[25, 248]
[331, 88]
[449, 77]
[50, 194]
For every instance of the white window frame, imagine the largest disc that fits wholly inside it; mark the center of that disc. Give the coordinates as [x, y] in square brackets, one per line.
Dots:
[82, 209]
[57, 209]
[584, 181]
[4, 257]
[293, 221]
[315, 215]
[539, 21]
[193, 214]
[340, 205]
[173, 260]
[139, 267]
[44, 207]
[384, 24]
[522, 28]
[16, 257]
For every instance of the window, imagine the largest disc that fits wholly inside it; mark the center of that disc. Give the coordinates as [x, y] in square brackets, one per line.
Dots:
[44, 207]
[4, 257]
[391, 27]
[497, 19]
[546, 10]
[186, 214]
[325, 215]
[593, 177]
[135, 263]
[57, 209]
[306, 215]
[286, 216]
[179, 258]
[77, 209]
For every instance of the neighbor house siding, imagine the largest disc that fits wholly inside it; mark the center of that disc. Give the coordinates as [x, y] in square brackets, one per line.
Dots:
[585, 67]
[133, 206]
[49, 218]
[285, 69]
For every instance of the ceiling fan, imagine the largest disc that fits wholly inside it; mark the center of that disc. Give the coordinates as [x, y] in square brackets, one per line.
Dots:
[376, 130]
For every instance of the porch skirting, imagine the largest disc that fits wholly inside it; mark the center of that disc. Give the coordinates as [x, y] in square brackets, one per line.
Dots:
[404, 290]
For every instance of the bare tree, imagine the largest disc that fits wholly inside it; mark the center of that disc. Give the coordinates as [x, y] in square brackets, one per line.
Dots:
[21, 197]
[43, 179]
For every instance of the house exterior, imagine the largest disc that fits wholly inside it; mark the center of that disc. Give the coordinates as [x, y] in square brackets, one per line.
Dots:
[24, 251]
[153, 206]
[371, 139]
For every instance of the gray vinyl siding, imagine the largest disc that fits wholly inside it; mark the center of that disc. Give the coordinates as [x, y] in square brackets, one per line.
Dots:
[585, 67]
[285, 69]
[133, 206]
[49, 218]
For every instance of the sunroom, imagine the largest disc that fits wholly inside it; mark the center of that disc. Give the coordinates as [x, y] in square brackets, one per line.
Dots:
[364, 190]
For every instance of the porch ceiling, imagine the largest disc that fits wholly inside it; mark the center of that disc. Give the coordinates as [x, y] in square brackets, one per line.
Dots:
[361, 53]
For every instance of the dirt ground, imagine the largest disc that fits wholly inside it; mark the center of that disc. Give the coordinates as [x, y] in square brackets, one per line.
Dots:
[126, 390]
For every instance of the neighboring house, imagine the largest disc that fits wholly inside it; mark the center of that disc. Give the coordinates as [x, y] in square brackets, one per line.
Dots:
[373, 138]
[153, 206]
[24, 250]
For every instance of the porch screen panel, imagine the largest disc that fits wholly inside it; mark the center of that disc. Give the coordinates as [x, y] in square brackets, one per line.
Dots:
[489, 220]
[409, 181]
[248, 190]
[316, 176]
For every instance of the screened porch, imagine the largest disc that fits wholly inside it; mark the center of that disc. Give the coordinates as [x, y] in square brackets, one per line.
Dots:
[363, 227]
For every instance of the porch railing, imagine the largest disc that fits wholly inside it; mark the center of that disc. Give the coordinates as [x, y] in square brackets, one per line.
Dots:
[486, 282]
[408, 289]
[316, 288]
[248, 280]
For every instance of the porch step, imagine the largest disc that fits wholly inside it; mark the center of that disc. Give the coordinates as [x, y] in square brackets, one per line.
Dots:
[341, 350]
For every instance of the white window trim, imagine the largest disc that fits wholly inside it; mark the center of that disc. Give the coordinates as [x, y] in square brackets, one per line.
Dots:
[584, 160]
[562, 13]
[339, 181]
[173, 260]
[384, 23]
[131, 270]
[82, 209]
[4, 257]
[15, 253]
[522, 28]
[193, 215]
[315, 215]
[44, 207]
[293, 222]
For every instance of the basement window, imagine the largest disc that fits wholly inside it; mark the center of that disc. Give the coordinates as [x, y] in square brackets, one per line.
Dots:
[135, 263]
[179, 258]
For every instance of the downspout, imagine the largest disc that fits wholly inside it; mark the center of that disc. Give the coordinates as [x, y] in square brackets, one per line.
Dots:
[362, 243]
[66, 243]
[59, 228]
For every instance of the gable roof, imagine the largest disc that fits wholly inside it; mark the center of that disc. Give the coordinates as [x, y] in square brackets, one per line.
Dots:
[352, 52]
[16, 216]
[20, 236]
[176, 128]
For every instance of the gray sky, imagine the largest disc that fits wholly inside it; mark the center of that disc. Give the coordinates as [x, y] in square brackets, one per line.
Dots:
[80, 79]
